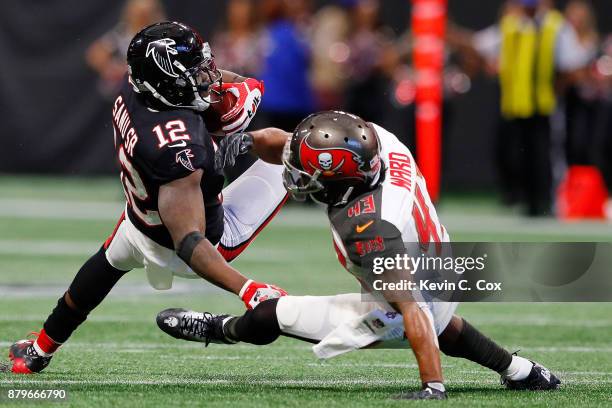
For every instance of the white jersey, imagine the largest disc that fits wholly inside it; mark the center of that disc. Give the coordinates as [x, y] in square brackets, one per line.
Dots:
[397, 215]
[405, 201]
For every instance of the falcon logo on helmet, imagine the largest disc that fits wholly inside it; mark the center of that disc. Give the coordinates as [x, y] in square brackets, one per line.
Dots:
[170, 64]
[160, 51]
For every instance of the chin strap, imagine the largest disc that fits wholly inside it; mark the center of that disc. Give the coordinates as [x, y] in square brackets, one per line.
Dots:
[345, 197]
[351, 189]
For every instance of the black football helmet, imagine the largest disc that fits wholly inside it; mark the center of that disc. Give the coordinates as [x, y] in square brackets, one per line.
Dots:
[331, 156]
[170, 63]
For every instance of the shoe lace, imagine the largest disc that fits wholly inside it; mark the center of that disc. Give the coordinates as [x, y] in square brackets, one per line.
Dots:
[30, 350]
[197, 326]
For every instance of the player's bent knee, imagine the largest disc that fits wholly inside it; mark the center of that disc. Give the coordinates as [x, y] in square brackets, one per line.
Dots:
[259, 326]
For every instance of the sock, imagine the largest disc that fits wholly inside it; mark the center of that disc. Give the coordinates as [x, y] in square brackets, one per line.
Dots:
[258, 326]
[230, 320]
[518, 369]
[45, 346]
[475, 346]
[90, 286]
[436, 385]
[93, 282]
[60, 324]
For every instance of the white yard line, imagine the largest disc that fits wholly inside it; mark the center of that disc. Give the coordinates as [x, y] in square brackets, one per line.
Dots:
[58, 209]
[123, 290]
[505, 224]
[119, 346]
[110, 211]
[565, 349]
[331, 364]
[297, 346]
[60, 248]
[540, 321]
[514, 225]
[47, 248]
[94, 318]
[126, 319]
[261, 382]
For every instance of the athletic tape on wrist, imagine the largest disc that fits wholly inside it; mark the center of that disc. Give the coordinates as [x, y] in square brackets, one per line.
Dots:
[244, 288]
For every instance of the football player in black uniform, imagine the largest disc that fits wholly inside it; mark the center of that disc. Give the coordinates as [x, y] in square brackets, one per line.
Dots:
[174, 222]
[378, 207]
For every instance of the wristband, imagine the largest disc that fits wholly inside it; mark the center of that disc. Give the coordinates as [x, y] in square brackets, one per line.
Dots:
[188, 244]
[244, 288]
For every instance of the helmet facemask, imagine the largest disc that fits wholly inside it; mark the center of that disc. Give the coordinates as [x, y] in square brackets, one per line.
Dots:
[202, 81]
[331, 156]
[301, 184]
[298, 183]
[207, 77]
[191, 81]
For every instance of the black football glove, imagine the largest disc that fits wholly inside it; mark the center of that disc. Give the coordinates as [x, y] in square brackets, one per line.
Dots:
[231, 147]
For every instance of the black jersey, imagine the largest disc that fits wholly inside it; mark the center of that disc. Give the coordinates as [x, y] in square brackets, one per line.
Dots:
[155, 148]
[361, 234]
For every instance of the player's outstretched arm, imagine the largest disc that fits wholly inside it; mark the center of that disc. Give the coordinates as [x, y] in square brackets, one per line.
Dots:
[422, 341]
[267, 144]
[417, 326]
[181, 207]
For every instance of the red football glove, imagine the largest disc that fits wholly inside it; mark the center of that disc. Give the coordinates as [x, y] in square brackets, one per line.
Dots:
[253, 293]
[248, 95]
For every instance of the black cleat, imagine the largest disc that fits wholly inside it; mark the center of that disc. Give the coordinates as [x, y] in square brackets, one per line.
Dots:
[425, 394]
[25, 359]
[540, 379]
[193, 326]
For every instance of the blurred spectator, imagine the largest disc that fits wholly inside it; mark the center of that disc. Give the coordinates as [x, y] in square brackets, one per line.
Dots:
[107, 55]
[371, 51]
[330, 51]
[603, 73]
[532, 47]
[239, 48]
[583, 97]
[287, 59]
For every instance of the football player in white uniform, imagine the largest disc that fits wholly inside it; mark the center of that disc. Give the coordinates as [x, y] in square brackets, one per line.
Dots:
[378, 206]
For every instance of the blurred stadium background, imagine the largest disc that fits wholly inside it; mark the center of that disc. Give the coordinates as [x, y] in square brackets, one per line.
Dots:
[60, 195]
[63, 60]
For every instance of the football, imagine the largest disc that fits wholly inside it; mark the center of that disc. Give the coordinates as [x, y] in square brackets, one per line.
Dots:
[212, 115]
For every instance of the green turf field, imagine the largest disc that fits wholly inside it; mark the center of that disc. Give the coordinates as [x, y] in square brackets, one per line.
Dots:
[119, 357]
